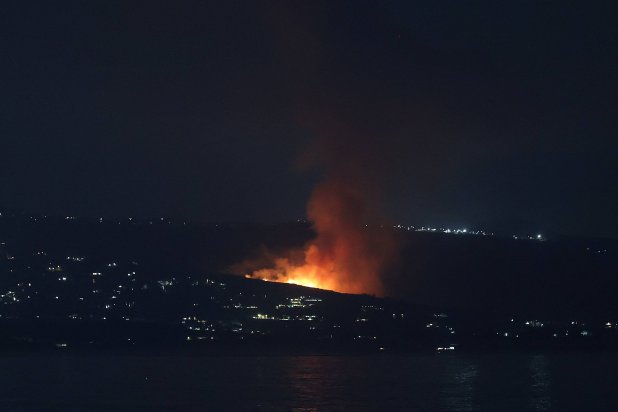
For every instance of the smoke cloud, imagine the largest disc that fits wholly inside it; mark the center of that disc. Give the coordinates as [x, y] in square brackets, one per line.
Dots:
[354, 246]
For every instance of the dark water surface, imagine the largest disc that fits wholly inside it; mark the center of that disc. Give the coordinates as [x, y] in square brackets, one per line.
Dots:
[505, 382]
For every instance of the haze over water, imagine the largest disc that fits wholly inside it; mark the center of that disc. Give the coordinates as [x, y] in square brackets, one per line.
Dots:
[507, 382]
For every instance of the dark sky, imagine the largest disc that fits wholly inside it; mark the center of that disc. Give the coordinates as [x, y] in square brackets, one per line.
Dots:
[498, 115]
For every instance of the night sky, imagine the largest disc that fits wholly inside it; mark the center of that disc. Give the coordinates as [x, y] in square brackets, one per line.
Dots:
[496, 115]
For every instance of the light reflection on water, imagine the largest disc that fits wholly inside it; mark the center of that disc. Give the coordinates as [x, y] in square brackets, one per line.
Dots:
[458, 392]
[423, 383]
[540, 399]
[309, 383]
[431, 383]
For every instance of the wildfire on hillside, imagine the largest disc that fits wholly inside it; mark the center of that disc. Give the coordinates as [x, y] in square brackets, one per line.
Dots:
[346, 255]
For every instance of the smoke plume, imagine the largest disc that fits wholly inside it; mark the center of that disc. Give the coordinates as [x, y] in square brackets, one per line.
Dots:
[354, 247]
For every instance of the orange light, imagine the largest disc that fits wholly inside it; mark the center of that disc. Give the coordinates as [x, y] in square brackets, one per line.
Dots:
[346, 254]
[308, 274]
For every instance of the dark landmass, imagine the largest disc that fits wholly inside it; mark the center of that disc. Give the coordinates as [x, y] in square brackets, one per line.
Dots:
[78, 284]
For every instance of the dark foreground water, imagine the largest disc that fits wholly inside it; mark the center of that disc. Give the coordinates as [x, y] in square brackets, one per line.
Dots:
[507, 382]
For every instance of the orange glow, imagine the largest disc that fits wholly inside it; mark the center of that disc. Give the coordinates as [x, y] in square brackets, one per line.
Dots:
[308, 274]
[318, 272]
[345, 256]
[353, 250]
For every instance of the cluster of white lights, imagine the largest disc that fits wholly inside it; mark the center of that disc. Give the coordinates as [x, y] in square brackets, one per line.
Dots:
[443, 230]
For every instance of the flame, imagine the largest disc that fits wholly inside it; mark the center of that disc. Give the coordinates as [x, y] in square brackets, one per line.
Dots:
[346, 255]
[306, 275]
[351, 252]
[309, 275]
